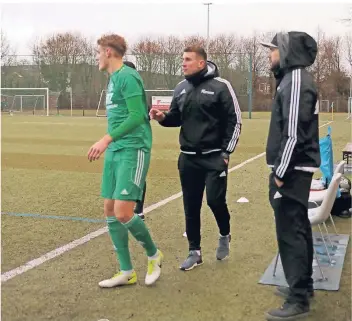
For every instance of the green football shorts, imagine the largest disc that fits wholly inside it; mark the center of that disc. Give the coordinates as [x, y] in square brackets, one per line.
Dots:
[124, 174]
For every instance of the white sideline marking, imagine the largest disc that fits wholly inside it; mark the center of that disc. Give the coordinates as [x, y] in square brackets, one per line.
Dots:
[246, 162]
[57, 252]
[54, 123]
[326, 124]
[52, 254]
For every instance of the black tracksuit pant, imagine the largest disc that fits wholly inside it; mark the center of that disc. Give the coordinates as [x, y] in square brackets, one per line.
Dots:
[196, 173]
[138, 209]
[294, 233]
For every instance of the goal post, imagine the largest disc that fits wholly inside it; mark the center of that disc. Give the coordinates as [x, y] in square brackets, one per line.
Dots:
[324, 106]
[101, 108]
[349, 108]
[25, 99]
[156, 98]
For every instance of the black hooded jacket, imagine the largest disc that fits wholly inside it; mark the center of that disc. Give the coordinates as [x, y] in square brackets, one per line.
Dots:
[293, 141]
[206, 108]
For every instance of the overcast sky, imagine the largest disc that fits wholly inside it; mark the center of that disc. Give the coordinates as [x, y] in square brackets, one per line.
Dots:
[24, 22]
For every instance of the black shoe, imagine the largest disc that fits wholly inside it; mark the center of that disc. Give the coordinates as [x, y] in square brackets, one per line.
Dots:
[288, 312]
[141, 215]
[284, 292]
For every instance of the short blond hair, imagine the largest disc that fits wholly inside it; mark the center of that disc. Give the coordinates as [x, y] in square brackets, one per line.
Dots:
[198, 50]
[114, 41]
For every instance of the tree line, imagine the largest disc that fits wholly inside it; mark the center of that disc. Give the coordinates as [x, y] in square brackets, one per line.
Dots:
[67, 60]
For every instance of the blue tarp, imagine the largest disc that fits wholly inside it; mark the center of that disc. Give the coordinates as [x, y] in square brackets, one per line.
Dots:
[327, 159]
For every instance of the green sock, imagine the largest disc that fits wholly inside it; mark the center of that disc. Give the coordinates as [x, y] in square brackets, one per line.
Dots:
[141, 233]
[119, 236]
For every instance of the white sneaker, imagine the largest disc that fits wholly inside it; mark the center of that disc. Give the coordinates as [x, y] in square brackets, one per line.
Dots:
[154, 269]
[119, 279]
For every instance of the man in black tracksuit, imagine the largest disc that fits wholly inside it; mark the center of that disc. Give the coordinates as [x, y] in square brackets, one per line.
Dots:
[206, 108]
[293, 154]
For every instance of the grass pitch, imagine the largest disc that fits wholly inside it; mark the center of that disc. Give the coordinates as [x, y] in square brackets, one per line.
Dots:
[45, 171]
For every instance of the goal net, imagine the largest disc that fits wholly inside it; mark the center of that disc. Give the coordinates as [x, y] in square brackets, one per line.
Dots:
[156, 98]
[32, 101]
[324, 106]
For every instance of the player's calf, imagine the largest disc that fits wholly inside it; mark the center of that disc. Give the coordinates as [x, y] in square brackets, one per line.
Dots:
[119, 236]
[124, 210]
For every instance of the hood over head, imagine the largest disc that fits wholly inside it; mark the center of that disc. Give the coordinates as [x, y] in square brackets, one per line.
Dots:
[297, 49]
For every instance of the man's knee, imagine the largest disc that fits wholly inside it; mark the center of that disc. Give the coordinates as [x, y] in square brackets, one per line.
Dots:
[124, 210]
[216, 203]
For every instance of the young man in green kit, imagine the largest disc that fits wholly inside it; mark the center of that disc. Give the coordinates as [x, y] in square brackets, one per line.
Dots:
[139, 208]
[127, 143]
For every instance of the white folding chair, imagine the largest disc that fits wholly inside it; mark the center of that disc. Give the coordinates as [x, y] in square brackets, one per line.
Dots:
[318, 196]
[319, 215]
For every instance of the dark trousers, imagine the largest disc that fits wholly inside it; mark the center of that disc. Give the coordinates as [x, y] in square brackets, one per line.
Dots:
[294, 233]
[138, 209]
[196, 173]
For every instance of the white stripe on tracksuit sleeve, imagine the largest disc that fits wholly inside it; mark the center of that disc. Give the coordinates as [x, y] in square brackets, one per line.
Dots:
[292, 124]
[237, 130]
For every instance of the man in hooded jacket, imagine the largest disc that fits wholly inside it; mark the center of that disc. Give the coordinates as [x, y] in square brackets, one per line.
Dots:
[292, 153]
[206, 108]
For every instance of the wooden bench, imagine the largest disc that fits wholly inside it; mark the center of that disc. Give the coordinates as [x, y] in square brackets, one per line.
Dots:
[347, 153]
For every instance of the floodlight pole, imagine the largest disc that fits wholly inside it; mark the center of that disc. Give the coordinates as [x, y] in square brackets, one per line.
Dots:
[208, 19]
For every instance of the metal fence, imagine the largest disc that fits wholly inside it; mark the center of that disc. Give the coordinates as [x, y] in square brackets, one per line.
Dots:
[161, 71]
[61, 74]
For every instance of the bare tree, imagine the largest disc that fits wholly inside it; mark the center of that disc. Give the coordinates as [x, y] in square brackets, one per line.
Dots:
[5, 46]
[348, 49]
[57, 55]
[334, 82]
[65, 61]
[224, 52]
[86, 73]
[171, 65]
[328, 70]
[7, 53]
[195, 40]
[148, 53]
[9, 76]
[259, 68]
[318, 69]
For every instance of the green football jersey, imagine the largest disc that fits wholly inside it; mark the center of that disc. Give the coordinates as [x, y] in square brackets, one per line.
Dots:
[123, 84]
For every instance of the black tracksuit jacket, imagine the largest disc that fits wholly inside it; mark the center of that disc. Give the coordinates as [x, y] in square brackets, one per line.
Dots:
[206, 108]
[293, 140]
